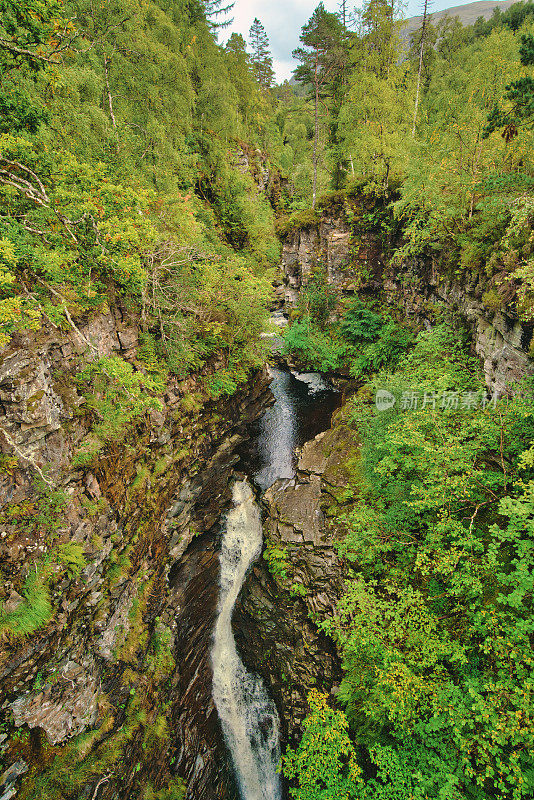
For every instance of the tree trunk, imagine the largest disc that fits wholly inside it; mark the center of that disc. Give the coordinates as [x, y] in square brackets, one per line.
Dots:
[419, 71]
[110, 101]
[316, 132]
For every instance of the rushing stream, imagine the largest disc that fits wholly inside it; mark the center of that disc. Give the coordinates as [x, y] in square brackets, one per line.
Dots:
[248, 716]
[303, 407]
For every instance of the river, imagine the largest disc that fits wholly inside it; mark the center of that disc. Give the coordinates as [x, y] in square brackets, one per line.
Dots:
[303, 407]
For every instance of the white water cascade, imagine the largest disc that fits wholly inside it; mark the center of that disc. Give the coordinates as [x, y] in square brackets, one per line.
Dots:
[248, 716]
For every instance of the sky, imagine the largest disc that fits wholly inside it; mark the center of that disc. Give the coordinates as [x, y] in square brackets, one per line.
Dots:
[283, 20]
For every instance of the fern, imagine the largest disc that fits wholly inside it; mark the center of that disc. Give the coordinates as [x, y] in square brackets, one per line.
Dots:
[35, 611]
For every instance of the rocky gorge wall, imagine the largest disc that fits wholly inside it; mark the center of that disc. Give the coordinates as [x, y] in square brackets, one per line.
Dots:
[281, 606]
[354, 257]
[277, 616]
[110, 696]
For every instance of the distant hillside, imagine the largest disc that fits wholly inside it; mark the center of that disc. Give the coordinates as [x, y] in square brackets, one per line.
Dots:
[467, 14]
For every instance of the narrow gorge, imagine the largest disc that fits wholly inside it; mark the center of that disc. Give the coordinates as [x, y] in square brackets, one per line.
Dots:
[234, 564]
[266, 402]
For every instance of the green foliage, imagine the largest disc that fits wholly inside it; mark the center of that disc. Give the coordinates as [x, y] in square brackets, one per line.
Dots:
[71, 555]
[87, 756]
[460, 185]
[261, 58]
[221, 383]
[30, 36]
[117, 395]
[277, 560]
[49, 507]
[359, 323]
[383, 353]
[492, 300]
[317, 299]
[325, 761]
[363, 340]
[434, 625]
[519, 94]
[312, 346]
[375, 119]
[43, 514]
[306, 218]
[35, 610]
[298, 590]
[120, 175]
[159, 659]
[321, 58]
[175, 790]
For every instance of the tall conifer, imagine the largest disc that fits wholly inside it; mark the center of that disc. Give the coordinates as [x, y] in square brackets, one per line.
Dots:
[216, 12]
[321, 59]
[262, 61]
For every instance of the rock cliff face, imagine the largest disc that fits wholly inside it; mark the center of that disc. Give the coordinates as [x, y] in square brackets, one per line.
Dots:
[121, 561]
[327, 244]
[280, 607]
[354, 258]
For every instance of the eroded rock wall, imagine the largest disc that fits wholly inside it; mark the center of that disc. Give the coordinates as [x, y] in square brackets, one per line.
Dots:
[355, 259]
[124, 651]
[282, 604]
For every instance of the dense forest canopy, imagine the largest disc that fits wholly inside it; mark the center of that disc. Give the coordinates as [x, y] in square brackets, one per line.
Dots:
[123, 126]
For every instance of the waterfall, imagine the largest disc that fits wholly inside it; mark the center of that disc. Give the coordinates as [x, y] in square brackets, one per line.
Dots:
[248, 716]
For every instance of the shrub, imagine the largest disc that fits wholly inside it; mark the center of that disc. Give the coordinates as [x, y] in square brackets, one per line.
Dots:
[318, 299]
[385, 352]
[492, 300]
[313, 347]
[277, 560]
[360, 323]
[306, 218]
[116, 395]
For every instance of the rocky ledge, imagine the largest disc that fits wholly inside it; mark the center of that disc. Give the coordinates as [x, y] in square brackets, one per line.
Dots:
[299, 581]
[354, 258]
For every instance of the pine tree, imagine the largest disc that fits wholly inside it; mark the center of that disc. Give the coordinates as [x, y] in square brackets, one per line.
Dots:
[343, 13]
[262, 62]
[321, 60]
[250, 103]
[520, 94]
[215, 12]
[420, 68]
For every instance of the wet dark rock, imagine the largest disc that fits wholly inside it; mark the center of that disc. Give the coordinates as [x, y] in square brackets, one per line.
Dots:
[275, 619]
[200, 753]
[135, 516]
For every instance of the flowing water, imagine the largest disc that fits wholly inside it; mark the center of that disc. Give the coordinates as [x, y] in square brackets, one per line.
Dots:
[248, 716]
[303, 406]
